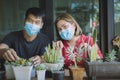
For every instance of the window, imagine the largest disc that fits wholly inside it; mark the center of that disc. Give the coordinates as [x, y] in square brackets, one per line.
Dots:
[86, 12]
[12, 14]
[117, 16]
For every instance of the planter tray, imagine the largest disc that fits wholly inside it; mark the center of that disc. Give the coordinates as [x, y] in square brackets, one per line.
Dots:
[103, 69]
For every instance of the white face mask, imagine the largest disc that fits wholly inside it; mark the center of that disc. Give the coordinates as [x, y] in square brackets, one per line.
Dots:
[31, 29]
[67, 34]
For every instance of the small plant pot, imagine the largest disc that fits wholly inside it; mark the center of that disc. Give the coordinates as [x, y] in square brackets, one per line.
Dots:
[9, 74]
[2, 75]
[22, 72]
[77, 73]
[58, 75]
[33, 73]
[41, 74]
[48, 74]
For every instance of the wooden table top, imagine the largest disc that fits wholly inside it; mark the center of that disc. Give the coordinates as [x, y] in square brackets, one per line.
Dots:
[67, 76]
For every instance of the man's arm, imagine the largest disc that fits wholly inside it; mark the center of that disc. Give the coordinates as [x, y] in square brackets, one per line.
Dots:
[7, 53]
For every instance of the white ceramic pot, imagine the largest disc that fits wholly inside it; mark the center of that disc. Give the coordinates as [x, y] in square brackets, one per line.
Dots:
[22, 72]
[51, 66]
[41, 74]
[33, 73]
[9, 74]
[54, 66]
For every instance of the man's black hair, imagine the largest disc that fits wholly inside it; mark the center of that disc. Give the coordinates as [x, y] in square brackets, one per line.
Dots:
[35, 11]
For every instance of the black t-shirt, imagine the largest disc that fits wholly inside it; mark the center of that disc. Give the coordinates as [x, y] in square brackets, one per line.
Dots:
[23, 48]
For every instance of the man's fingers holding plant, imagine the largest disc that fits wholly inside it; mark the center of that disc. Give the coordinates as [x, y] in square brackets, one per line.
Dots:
[10, 55]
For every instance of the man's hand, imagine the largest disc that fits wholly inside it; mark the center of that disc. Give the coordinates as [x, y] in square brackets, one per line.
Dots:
[10, 55]
[36, 59]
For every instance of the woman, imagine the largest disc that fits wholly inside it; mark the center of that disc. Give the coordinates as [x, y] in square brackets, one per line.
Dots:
[70, 35]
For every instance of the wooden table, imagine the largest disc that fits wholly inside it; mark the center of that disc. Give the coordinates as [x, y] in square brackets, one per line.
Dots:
[67, 77]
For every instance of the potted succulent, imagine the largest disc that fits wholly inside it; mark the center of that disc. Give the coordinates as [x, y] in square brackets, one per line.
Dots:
[116, 42]
[76, 72]
[108, 67]
[9, 74]
[40, 69]
[53, 59]
[22, 69]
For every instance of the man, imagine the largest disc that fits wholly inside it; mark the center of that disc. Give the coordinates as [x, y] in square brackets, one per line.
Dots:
[27, 43]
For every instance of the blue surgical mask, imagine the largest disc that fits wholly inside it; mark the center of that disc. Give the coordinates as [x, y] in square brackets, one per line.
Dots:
[31, 29]
[67, 34]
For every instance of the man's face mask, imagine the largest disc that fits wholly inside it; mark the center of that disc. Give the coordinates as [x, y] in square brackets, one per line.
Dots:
[67, 34]
[31, 29]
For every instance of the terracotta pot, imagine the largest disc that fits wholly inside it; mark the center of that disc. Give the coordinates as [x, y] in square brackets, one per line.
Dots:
[77, 73]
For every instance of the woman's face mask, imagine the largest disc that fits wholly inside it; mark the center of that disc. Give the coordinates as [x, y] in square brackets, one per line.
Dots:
[67, 34]
[31, 29]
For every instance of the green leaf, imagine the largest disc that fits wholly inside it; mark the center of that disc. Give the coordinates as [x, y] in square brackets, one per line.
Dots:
[95, 36]
[51, 55]
[93, 55]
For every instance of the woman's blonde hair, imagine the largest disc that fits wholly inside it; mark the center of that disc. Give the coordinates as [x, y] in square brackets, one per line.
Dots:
[68, 18]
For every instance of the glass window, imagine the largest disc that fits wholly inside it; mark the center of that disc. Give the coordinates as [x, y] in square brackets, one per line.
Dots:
[12, 14]
[117, 16]
[86, 12]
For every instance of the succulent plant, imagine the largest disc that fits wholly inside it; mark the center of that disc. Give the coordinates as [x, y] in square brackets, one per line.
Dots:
[93, 53]
[116, 42]
[22, 62]
[51, 55]
[74, 56]
[111, 56]
[40, 67]
[7, 62]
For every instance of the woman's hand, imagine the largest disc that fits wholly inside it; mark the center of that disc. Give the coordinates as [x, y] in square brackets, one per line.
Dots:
[58, 44]
[10, 55]
[85, 46]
